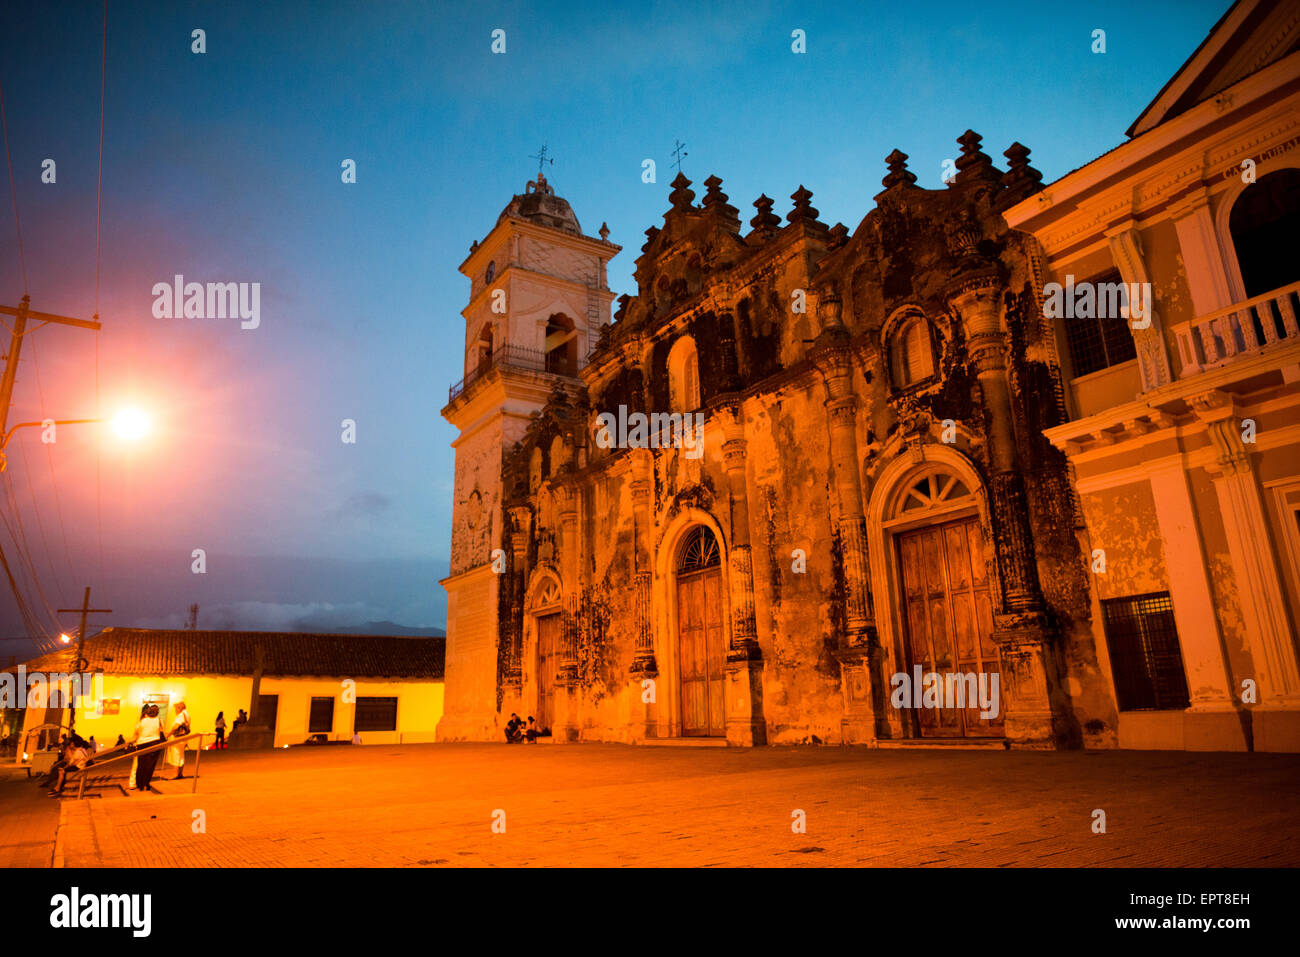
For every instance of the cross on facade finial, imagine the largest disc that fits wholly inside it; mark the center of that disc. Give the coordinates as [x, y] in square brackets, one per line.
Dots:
[679, 151]
[540, 156]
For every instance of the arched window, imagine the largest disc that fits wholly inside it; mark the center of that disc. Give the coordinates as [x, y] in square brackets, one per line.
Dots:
[699, 551]
[1263, 222]
[561, 346]
[936, 490]
[683, 376]
[912, 354]
[484, 360]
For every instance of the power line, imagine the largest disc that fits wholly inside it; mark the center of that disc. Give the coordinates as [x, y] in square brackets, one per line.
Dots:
[13, 192]
[99, 206]
[49, 459]
[40, 525]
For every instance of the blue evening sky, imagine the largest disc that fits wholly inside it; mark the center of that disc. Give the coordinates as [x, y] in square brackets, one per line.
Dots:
[226, 166]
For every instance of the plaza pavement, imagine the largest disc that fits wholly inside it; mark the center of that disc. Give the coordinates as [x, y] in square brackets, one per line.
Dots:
[612, 805]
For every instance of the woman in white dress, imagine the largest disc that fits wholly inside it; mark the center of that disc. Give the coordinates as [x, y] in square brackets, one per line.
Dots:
[180, 727]
[135, 762]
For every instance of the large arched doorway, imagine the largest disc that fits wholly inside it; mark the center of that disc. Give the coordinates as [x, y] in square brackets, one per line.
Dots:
[549, 624]
[701, 634]
[1264, 222]
[945, 601]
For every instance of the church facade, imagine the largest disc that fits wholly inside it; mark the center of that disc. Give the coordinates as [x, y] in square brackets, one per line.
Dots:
[870, 496]
[814, 485]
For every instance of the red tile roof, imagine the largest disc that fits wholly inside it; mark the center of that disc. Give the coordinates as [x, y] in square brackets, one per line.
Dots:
[148, 651]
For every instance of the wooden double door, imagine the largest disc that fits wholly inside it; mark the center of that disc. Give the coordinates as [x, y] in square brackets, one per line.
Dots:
[548, 650]
[949, 617]
[702, 641]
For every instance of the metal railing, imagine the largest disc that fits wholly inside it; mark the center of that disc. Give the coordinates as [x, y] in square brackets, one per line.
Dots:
[555, 362]
[1242, 329]
[99, 762]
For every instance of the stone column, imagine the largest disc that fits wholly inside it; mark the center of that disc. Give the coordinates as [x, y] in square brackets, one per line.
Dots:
[1275, 720]
[1020, 626]
[746, 726]
[644, 674]
[859, 651]
[568, 691]
[521, 518]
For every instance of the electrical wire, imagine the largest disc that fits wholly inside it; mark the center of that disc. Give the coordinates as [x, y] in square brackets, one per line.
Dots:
[13, 192]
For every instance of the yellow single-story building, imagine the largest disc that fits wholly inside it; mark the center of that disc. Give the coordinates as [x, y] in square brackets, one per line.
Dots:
[388, 689]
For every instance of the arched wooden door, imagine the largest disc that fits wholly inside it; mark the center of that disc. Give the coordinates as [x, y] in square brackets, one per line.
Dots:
[947, 607]
[701, 635]
[548, 648]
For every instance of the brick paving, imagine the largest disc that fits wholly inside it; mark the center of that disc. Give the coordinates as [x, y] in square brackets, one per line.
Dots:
[611, 805]
[28, 820]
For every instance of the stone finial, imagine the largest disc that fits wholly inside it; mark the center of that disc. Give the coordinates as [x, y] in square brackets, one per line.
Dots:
[682, 196]
[899, 174]
[715, 201]
[839, 234]
[766, 220]
[803, 210]
[973, 161]
[650, 235]
[1019, 172]
[603, 232]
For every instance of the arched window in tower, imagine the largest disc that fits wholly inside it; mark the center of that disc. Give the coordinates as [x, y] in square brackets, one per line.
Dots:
[484, 349]
[683, 376]
[561, 346]
[911, 352]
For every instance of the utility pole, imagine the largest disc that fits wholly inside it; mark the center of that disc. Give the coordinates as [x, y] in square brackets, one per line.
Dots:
[21, 314]
[82, 663]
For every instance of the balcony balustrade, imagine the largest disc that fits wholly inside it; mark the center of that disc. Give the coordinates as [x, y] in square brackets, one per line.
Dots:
[1243, 329]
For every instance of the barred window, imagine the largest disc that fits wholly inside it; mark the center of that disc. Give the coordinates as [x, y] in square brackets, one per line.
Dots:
[1145, 659]
[376, 714]
[321, 718]
[1100, 341]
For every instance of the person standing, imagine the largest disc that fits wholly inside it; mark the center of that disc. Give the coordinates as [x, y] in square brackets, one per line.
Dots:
[220, 726]
[135, 762]
[148, 731]
[180, 728]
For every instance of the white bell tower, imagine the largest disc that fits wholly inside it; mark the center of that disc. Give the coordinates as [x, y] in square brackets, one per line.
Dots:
[538, 299]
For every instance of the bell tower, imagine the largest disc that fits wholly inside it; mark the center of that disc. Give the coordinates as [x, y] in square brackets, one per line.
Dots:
[538, 299]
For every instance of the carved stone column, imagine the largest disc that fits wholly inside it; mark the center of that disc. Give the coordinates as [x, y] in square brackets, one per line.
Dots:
[644, 673]
[568, 691]
[1031, 698]
[521, 518]
[859, 651]
[744, 689]
[1275, 720]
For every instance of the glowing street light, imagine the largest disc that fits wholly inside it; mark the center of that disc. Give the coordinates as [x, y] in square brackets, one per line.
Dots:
[65, 638]
[131, 424]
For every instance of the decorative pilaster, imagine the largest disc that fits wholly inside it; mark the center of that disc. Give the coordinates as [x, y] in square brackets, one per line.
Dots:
[521, 518]
[745, 724]
[1152, 353]
[859, 651]
[1276, 719]
[643, 661]
[567, 671]
[1020, 625]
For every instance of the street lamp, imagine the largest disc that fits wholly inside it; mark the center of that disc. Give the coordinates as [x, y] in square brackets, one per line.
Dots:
[130, 424]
